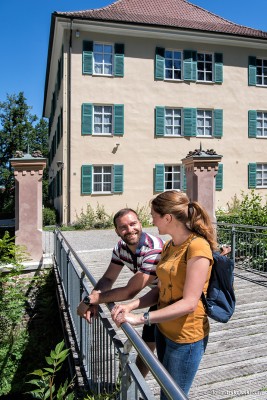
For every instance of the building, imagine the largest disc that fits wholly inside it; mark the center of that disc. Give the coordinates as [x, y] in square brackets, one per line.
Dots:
[131, 88]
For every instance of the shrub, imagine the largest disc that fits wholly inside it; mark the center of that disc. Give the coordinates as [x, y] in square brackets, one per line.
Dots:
[91, 219]
[49, 216]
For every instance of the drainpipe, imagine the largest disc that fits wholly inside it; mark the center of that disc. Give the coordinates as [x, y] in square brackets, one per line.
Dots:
[69, 127]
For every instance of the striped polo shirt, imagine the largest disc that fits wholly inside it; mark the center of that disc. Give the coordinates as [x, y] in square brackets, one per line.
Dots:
[146, 257]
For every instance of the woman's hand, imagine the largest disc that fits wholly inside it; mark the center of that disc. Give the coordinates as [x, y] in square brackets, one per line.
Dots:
[121, 314]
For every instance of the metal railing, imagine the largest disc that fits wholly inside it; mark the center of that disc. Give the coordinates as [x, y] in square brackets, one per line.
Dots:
[249, 245]
[108, 363]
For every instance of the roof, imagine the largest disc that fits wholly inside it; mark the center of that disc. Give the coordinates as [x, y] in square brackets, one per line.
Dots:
[166, 13]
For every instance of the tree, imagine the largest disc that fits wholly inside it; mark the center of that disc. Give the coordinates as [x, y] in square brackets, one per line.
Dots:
[19, 130]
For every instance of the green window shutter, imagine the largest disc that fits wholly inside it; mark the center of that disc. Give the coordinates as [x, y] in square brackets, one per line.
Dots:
[252, 123]
[190, 121]
[252, 171]
[117, 178]
[119, 59]
[218, 123]
[183, 179]
[159, 121]
[159, 178]
[219, 178]
[218, 67]
[190, 65]
[87, 119]
[159, 63]
[86, 181]
[252, 70]
[88, 57]
[118, 119]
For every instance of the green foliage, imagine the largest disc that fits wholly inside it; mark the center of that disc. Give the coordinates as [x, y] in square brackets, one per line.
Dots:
[251, 209]
[10, 253]
[49, 216]
[44, 381]
[18, 130]
[144, 215]
[91, 219]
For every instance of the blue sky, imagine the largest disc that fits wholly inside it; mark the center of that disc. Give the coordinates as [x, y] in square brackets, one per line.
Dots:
[25, 29]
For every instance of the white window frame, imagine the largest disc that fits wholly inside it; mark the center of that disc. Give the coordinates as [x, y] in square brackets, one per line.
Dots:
[205, 62]
[261, 124]
[102, 55]
[261, 175]
[263, 75]
[171, 174]
[205, 126]
[173, 69]
[172, 125]
[102, 116]
[101, 174]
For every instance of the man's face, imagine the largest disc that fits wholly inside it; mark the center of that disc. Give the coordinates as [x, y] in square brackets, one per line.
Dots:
[129, 228]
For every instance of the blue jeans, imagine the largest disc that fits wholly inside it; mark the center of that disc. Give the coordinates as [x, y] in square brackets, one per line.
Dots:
[181, 360]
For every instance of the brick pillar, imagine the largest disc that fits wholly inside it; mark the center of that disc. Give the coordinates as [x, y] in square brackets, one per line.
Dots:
[28, 173]
[201, 167]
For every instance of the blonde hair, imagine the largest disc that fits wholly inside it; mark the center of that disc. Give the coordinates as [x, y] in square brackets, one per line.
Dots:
[192, 214]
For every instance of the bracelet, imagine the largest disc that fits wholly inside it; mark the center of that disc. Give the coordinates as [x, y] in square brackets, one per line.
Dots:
[146, 319]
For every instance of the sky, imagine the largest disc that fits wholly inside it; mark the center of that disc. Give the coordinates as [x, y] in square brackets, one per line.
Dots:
[25, 27]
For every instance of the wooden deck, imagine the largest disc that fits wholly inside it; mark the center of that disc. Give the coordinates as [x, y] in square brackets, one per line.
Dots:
[235, 363]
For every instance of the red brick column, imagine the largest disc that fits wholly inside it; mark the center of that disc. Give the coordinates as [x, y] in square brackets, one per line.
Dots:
[28, 173]
[201, 167]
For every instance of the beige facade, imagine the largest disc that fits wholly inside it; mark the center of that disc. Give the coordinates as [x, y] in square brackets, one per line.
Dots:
[139, 149]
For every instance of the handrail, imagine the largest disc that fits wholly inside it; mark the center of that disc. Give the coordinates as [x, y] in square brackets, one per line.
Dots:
[166, 382]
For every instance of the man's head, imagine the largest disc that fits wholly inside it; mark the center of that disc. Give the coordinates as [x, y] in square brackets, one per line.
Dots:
[128, 226]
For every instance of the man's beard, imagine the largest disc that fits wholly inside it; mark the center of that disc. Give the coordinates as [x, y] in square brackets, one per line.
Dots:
[132, 239]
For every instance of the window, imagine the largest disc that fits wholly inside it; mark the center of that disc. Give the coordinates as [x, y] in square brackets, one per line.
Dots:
[172, 177]
[173, 122]
[188, 65]
[204, 122]
[103, 56]
[173, 65]
[168, 177]
[176, 122]
[261, 72]
[204, 67]
[103, 59]
[261, 124]
[257, 175]
[101, 179]
[257, 71]
[257, 124]
[102, 119]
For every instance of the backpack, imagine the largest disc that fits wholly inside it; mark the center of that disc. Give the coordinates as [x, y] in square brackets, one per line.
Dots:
[219, 303]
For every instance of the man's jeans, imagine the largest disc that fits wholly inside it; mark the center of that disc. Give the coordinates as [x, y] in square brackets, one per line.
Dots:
[180, 360]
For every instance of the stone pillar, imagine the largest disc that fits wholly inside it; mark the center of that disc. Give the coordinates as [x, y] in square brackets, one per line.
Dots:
[201, 167]
[28, 173]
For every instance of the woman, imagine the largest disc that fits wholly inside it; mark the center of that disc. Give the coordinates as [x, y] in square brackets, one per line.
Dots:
[184, 271]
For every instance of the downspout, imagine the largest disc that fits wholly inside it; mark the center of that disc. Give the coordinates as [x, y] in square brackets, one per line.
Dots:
[69, 128]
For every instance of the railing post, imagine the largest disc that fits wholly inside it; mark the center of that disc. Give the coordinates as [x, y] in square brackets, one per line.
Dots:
[233, 243]
[127, 388]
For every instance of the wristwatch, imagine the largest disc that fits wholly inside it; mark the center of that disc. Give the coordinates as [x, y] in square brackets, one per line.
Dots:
[86, 300]
[146, 319]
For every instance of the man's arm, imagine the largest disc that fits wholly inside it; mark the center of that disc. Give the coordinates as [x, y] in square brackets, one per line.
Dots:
[110, 276]
[133, 287]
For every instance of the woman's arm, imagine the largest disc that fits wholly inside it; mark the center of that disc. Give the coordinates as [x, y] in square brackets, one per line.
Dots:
[196, 275]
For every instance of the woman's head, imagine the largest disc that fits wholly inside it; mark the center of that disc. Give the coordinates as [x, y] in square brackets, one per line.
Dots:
[191, 214]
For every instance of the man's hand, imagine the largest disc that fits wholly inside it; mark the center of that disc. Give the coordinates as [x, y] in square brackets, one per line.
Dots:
[85, 311]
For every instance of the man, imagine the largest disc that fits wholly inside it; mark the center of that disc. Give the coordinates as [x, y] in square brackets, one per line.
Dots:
[140, 252]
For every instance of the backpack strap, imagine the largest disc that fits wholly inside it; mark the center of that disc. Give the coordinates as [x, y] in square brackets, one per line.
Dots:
[203, 297]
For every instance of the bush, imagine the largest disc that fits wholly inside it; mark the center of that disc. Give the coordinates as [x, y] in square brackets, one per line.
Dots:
[251, 209]
[91, 219]
[49, 216]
